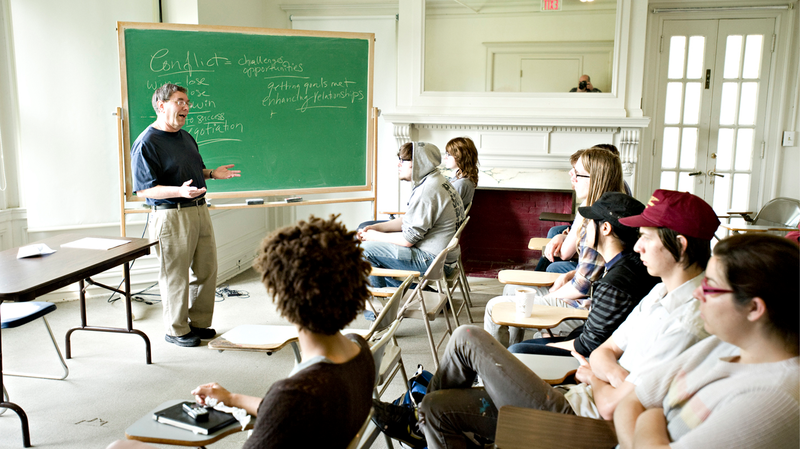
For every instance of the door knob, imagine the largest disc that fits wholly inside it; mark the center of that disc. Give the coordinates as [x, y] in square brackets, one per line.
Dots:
[713, 173]
[696, 173]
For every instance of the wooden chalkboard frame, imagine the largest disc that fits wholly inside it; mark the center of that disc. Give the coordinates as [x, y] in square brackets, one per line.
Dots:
[126, 184]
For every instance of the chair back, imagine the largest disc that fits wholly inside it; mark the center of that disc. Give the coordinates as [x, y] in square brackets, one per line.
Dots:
[461, 228]
[378, 349]
[390, 310]
[357, 438]
[436, 270]
[466, 209]
[779, 212]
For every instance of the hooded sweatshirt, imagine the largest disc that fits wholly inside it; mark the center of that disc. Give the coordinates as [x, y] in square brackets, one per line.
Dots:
[435, 210]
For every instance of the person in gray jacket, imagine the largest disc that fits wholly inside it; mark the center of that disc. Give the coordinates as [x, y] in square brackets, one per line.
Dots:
[435, 211]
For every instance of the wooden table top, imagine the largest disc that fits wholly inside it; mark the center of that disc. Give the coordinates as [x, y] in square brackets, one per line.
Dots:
[393, 273]
[543, 317]
[255, 337]
[555, 216]
[527, 277]
[25, 279]
[524, 428]
[151, 431]
[755, 228]
[553, 369]
[538, 243]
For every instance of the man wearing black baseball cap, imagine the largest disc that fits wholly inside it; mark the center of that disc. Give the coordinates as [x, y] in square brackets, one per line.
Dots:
[623, 285]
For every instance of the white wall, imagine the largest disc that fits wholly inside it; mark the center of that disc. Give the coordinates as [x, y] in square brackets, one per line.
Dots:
[67, 79]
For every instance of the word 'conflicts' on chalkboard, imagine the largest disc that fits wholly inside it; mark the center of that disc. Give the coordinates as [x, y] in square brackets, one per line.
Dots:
[291, 111]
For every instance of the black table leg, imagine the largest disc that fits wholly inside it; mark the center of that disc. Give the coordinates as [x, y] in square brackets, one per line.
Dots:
[129, 314]
[23, 418]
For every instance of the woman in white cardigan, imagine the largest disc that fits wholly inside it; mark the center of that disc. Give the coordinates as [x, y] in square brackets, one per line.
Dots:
[739, 387]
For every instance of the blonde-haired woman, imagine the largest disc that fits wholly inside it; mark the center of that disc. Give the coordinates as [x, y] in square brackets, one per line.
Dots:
[596, 171]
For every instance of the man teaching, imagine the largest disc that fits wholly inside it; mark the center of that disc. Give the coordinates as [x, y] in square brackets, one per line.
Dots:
[169, 171]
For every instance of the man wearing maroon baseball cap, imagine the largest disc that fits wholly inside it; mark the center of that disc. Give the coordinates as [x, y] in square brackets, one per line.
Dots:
[675, 232]
[682, 212]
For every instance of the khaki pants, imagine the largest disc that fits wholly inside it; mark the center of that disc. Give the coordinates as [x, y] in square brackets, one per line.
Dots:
[187, 253]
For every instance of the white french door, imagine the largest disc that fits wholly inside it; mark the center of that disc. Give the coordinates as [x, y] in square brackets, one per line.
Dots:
[709, 128]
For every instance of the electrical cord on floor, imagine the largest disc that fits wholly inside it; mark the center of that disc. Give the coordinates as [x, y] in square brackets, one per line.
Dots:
[224, 292]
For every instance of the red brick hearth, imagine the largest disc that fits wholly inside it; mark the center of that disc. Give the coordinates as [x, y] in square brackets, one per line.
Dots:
[501, 224]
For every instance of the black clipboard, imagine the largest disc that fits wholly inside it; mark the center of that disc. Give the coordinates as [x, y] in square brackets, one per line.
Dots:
[175, 416]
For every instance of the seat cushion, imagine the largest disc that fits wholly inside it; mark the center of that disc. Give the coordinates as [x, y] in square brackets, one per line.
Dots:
[15, 314]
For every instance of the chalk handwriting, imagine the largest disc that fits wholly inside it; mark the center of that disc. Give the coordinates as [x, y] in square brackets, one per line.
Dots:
[161, 62]
[262, 64]
[311, 94]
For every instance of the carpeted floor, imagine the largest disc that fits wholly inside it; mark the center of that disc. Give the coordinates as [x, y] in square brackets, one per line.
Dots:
[110, 386]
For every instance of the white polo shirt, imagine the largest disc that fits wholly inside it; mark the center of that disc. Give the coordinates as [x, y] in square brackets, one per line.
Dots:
[662, 326]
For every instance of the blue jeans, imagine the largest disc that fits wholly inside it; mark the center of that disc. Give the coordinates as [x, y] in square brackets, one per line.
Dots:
[557, 266]
[539, 345]
[396, 257]
[452, 407]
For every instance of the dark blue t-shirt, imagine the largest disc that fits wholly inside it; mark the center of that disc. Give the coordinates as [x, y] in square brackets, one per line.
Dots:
[167, 159]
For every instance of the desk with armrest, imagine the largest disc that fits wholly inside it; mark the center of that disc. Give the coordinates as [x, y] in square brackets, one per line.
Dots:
[524, 428]
[542, 317]
[527, 278]
[740, 228]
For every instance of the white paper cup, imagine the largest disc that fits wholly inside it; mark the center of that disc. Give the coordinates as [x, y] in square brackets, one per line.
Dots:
[524, 301]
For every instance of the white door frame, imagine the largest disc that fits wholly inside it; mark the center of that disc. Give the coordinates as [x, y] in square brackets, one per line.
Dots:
[777, 92]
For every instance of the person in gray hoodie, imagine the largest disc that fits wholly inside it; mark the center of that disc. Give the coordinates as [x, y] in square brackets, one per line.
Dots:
[434, 213]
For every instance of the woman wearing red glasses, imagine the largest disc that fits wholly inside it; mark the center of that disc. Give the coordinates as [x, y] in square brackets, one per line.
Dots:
[739, 387]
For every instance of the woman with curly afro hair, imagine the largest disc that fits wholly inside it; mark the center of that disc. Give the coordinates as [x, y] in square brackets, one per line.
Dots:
[316, 275]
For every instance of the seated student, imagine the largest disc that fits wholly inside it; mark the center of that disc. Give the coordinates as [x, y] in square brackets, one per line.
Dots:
[674, 246]
[435, 212]
[623, 285]
[552, 252]
[738, 388]
[462, 156]
[317, 277]
[597, 171]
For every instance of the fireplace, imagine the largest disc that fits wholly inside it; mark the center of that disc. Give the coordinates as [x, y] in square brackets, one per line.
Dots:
[502, 221]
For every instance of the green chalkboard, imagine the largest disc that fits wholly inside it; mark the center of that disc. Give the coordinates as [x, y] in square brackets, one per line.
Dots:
[291, 109]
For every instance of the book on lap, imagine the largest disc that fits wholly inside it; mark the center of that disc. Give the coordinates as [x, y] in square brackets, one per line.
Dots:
[175, 416]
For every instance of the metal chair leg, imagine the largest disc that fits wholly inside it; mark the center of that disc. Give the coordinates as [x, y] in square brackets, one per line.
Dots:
[64, 367]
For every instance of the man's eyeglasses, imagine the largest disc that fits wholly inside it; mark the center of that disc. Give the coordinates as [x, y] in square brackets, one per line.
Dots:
[182, 103]
[707, 289]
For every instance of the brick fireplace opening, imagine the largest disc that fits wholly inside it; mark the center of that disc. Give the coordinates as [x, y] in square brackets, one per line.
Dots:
[502, 221]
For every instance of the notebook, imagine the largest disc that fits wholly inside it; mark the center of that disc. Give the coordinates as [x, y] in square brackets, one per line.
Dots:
[175, 416]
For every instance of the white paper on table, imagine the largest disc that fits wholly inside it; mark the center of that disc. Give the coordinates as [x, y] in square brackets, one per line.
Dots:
[37, 249]
[95, 243]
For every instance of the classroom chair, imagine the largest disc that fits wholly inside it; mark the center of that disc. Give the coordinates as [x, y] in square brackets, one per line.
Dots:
[458, 279]
[16, 314]
[777, 212]
[426, 306]
[386, 354]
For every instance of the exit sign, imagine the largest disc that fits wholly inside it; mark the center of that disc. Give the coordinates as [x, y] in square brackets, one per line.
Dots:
[551, 5]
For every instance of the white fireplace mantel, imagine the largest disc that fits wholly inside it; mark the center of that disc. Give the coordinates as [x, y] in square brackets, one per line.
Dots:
[527, 152]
